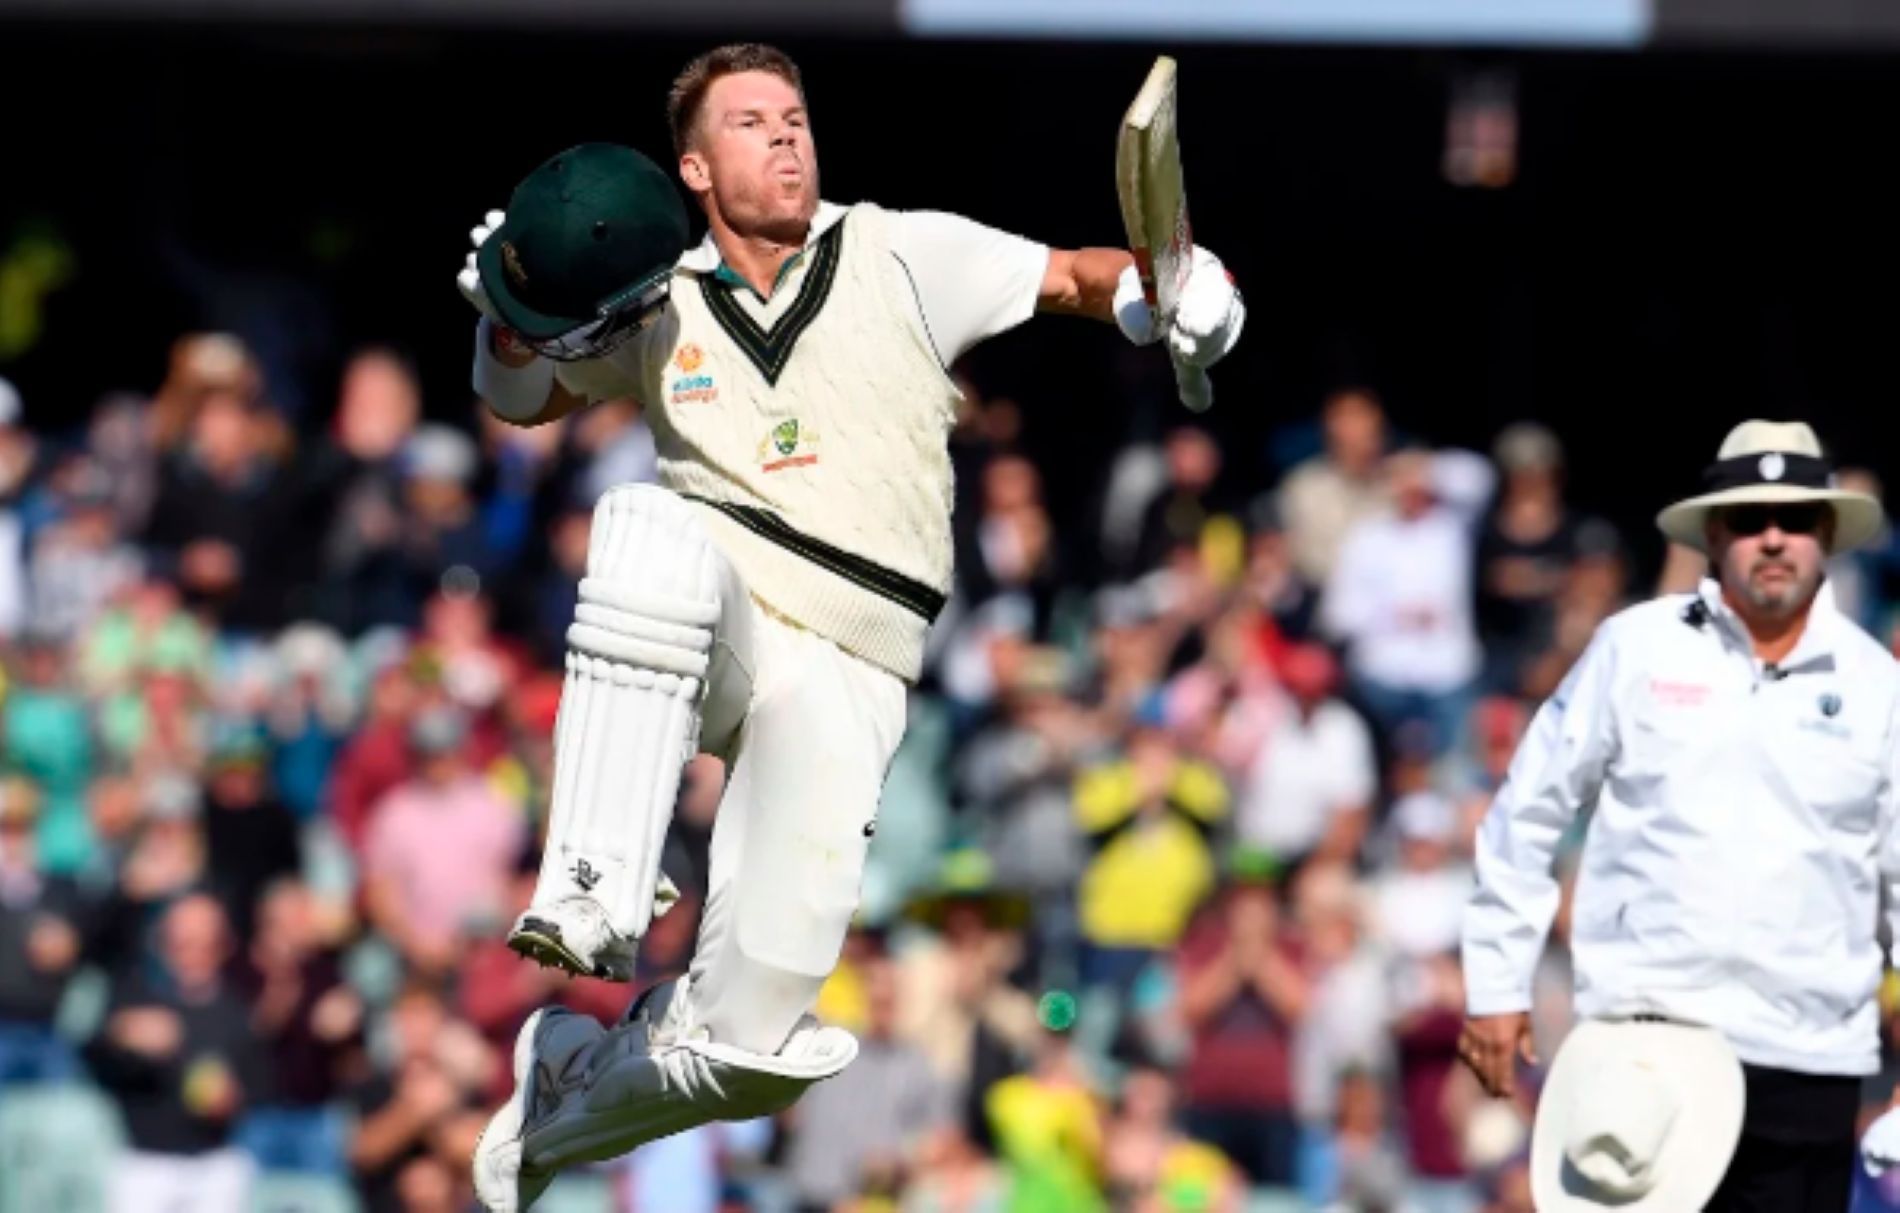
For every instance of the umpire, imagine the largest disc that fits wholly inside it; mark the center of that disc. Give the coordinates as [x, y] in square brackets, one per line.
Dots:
[1738, 745]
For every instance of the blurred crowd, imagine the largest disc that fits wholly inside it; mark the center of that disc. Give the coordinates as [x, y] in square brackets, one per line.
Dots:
[1163, 911]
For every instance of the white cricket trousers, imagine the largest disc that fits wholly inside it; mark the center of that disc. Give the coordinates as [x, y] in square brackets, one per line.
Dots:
[806, 766]
[217, 1182]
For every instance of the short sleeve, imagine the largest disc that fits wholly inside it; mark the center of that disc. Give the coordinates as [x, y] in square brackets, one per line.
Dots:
[972, 282]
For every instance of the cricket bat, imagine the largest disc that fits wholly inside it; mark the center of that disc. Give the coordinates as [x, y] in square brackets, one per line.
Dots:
[1154, 211]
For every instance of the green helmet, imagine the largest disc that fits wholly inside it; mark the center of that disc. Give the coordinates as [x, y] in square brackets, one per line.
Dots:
[584, 258]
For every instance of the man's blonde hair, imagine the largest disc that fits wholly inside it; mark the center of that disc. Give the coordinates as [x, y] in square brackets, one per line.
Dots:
[688, 94]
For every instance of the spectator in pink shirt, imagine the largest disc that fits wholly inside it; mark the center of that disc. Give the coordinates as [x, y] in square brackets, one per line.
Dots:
[441, 848]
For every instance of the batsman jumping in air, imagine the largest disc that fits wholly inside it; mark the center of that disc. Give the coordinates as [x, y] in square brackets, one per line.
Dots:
[766, 603]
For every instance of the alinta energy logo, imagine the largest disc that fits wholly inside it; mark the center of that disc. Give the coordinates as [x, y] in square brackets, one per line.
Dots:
[692, 386]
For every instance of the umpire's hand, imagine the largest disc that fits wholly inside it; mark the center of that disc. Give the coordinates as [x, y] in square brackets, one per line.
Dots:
[1491, 1045]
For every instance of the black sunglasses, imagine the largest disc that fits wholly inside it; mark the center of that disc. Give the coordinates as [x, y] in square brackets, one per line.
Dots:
[1794, 518]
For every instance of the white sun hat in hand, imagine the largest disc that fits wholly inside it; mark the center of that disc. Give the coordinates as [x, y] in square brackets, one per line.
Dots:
[1638, 1116]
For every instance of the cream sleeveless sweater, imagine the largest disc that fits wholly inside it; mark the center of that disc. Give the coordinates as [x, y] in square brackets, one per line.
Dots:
[816, 447]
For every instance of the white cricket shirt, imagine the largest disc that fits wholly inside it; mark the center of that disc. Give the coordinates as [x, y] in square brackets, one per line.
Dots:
[1744, 825]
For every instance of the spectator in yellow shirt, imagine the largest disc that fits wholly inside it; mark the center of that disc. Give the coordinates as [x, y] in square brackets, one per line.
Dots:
[1154, 1167]
[1148, 818]
[1047, 1126]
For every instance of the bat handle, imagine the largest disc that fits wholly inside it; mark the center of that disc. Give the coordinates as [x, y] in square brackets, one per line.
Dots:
[1197, 390]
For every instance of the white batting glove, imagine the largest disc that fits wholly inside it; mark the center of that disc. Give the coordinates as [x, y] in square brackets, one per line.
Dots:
[470, 279]
[1209, 316]
[1132, 313]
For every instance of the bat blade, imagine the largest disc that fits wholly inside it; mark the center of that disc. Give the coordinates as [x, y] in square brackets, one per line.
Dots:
[1154, 209]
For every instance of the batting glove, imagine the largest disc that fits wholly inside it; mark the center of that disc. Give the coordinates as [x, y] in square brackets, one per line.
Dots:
[470, 279]
[1132, 314]
[1210, 315]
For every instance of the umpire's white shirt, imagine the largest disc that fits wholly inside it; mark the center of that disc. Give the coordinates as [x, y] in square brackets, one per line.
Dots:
[1744, 821]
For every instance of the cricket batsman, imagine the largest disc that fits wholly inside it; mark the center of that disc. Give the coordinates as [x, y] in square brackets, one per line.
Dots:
[767, 602]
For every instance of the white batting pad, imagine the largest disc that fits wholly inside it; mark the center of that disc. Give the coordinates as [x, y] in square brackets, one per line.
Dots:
[639, 651]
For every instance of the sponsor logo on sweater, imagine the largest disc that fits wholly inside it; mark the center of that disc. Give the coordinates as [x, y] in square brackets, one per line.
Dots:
[788, 445]
[691, 386]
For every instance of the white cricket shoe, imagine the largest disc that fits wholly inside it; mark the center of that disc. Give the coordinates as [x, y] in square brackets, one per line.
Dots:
[575, 933]
[583, 1094]
[554, 1040]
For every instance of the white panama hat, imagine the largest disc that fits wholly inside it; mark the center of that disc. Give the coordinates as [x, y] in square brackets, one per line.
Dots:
[1767, 463]
[1880, 1144]
[1638, 1116]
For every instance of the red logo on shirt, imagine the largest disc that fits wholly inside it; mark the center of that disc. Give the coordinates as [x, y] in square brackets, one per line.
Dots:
[1678, 694]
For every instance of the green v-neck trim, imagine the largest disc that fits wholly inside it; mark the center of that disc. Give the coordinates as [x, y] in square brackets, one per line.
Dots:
[770, 349]
[730, 277]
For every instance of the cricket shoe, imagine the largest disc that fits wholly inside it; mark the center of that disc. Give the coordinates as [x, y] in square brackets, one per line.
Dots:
[597, 1095]
[574, 933]
[550, 1057]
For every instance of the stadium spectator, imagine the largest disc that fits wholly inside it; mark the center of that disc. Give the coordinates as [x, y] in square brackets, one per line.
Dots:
[310, 712]
[42, 917]
[1527, 547]
[955, 999]
[1345, 1029]
[1148, 1163]
[1430, 1014]
[1400, 600]
[178, 1053]
[1314, 774]
[18, 457]
[441, 526]
[1047, 1123]
[251, 838]
[311, 1023]
[80, 559]
[1325, 498]
[1015, 778]
[167, 860]
[377, 758]
[1271, 582]
[1419, 900]
[48, 734]
[1243, 996]
[1188, 500]
[217, 520]
[1363, 1165]
[1148, 817]
[421, 894]
[413, 1118]
[954, 1176]
[354, 495]
[869, 1125]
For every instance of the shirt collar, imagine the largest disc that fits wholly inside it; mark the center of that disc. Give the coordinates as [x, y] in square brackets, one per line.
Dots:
[1818, 638]
[704, 258]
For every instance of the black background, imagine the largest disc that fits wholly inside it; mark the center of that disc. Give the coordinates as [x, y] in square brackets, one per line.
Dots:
[1694, 237]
